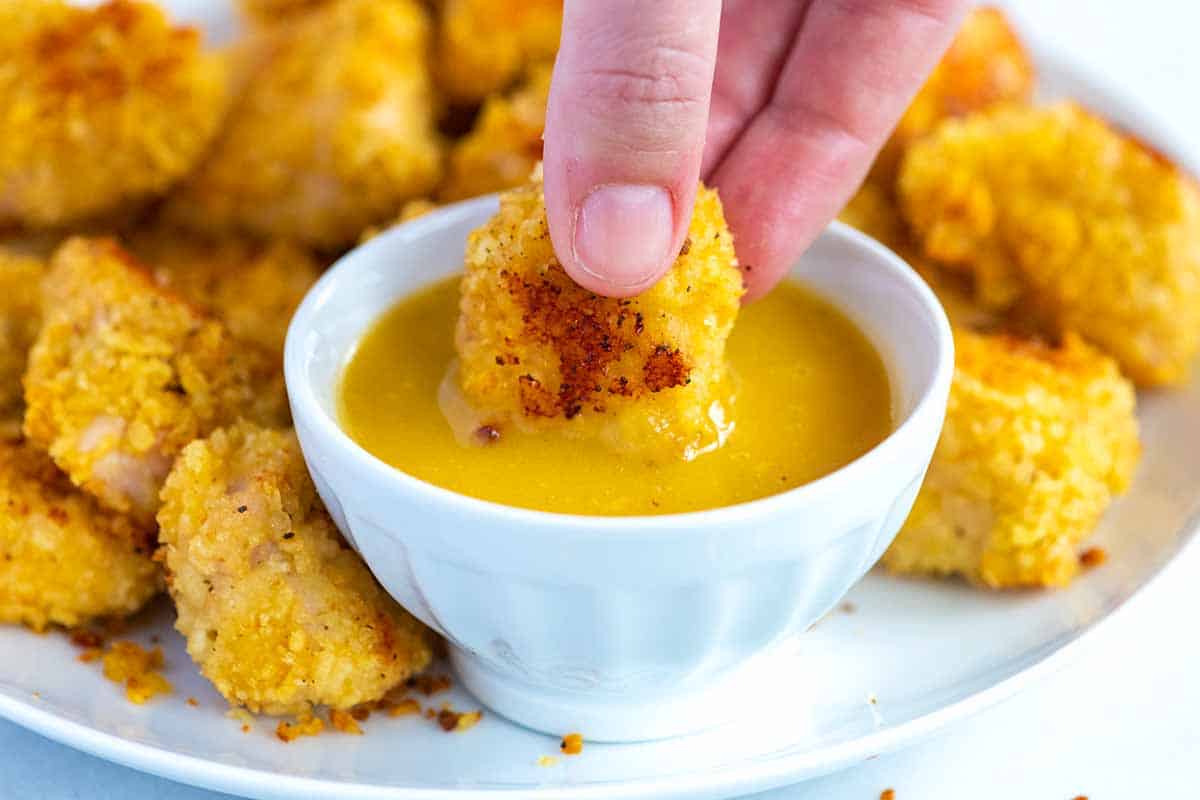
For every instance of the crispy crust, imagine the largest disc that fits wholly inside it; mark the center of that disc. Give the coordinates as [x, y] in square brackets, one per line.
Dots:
[484, 45]
[124, 374]
[538, 352]
[63, 559]
[1069, 224]
[504, 145]
[278, 612]
[1037, 442]
[100, 106]
[333, 132]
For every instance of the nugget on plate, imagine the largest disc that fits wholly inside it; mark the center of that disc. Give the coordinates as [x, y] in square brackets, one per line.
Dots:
[123, 374]
[1068, 222]
[484, 45]
[99, 106]
[985, 65]
[64, 559]
[332, 133]
[252, 286]
[645, 374]
[20, 319]
[279, 613]
[504, 145]
[1037, 442]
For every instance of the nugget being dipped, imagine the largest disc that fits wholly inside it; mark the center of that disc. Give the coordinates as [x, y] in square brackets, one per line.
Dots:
[253, 287]
[505, 144]
[100, 107]
[64, 559]
[646, 374]
[1069, 223]
[279, 613]
[1037, 442]
[483, 45]
[124, 374]
[333, 132]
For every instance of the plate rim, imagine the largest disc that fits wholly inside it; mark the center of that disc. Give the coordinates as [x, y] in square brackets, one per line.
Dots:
[753, 775]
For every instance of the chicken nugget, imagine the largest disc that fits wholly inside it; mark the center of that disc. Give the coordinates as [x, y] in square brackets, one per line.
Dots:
[484, 45]
[1037, 442]
[505, 144]
[20, 319]
[123, 374]
[332, 133]
[63, 559]
[100, 107]
[279, 613]
[645, 374]
[252, 286]
[1064, 221]
[986, 65]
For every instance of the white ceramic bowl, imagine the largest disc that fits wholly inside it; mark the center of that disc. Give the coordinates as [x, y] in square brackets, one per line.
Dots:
[623, 628]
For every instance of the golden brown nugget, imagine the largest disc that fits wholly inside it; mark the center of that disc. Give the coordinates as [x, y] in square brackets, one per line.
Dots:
[1037, 442]
[333, 132]
[253, 287]
[484, 45]
[63, 559]
[1063, 220]
[505, 144]
[873, 211]
[20, 319]
[124, 374]
[645, 374]
[100, 107]
[278, 612]
[986, 65]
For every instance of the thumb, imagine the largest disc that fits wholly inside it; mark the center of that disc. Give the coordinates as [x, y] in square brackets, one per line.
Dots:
[625, 135]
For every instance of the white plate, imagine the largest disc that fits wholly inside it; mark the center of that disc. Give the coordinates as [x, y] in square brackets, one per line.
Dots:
[927, 653]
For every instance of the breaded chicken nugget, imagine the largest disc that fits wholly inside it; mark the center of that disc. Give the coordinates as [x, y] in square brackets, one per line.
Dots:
[873, 211]
[484, 45]
[1064, 220]
[253, 287]
[63, 559]
[124, 374]
[505, 144]
[20, 319]
[646, 374]
[1037, 442]
[278, 612]
[333, 132]
[99, 107]
[985, 65]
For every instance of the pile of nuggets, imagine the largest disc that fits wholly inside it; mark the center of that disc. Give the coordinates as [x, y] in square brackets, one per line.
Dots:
[165, 206]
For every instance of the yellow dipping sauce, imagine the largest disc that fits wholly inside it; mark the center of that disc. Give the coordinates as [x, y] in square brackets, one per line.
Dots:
[812, 395]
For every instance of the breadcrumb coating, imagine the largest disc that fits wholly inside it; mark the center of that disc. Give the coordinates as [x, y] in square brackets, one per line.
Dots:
[645, 374]
[100, 107]
[1037, 442]
[332, 133]
[985, 65]
[63, 559]
[1061, 218]
[278, 612]
[124, 374]
[484, 45]
[504, 145]
[252, 286]
[20, 319]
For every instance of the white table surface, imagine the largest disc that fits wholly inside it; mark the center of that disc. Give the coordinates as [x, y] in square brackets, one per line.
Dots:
[1122, 721]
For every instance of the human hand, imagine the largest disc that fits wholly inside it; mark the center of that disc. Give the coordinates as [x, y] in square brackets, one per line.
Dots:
[804, 94]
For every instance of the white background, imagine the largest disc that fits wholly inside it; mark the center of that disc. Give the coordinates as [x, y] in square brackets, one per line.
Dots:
[1122, 721]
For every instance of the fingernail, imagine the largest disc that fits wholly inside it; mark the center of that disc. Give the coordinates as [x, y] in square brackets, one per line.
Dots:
[623, 234]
